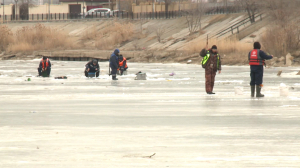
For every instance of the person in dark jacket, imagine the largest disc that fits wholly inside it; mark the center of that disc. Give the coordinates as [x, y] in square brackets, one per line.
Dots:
[122, 64]
[44, 67]
[92, 66]
[257, 59]
[212, 63]
[114, 63]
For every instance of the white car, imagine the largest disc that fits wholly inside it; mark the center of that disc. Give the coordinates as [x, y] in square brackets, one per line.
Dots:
[97, 12]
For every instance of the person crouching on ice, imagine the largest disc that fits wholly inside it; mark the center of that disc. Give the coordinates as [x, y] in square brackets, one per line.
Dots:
[44, 67]
[122, 64]
[92, 66]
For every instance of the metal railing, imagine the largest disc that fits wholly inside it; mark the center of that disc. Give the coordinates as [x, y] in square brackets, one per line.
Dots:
[237, 25]
[121, 15]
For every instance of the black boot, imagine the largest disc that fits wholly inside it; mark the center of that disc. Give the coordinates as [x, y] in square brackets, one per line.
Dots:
[258, 89]
[252, 90]
[114, 77]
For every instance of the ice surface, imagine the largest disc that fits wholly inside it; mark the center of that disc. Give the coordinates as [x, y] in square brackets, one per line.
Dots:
[84, 122]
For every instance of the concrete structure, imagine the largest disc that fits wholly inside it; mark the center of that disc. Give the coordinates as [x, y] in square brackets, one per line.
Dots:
[160, 7]
[7, 9]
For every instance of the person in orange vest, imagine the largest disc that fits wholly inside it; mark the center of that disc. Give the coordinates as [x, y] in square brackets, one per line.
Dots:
[122, 64]
[45, 65]
[257, 59]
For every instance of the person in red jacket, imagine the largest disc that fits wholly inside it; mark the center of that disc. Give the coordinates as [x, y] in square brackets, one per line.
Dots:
[257, 59]
[45, 66]
[122, 64]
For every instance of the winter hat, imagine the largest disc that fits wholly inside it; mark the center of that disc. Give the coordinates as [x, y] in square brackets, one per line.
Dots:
[117, 51]
[256, 45]
[95, 61]
[120, 57]
[214, 47]
[44, 58]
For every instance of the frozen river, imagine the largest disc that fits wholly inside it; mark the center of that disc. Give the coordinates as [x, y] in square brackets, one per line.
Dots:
[84, 122]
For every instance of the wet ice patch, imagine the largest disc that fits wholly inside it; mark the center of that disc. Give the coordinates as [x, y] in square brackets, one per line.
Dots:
[152, 75]
[230, 82]
[156, 79]
[7, 71]
[18, 80]
[289, 106]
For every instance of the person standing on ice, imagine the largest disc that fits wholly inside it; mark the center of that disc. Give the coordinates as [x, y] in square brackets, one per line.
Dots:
[257, 59]
[45, 66]
[114, 63]
[212, 63]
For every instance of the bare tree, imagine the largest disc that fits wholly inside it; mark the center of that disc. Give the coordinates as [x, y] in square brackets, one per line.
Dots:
[282, 11]
[24, 8]
[16, 7]
[194, 16]
[251, 6]
[159, 30]
[283, 35]
[126, 5]
[225, 3]
[167, 4]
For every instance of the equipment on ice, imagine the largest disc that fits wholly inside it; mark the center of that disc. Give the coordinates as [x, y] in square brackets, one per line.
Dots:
[140, 76]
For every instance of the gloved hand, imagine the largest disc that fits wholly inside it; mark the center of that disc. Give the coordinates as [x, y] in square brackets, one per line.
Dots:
[122, 68]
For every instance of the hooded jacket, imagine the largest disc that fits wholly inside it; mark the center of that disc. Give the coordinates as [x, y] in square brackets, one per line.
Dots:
[90, 65]
[114, 60]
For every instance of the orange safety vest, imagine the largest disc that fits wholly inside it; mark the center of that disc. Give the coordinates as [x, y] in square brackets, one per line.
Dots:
[47, 63]
[121, 63]
[255, 59]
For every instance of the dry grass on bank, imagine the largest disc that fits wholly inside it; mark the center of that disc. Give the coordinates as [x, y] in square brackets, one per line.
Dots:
[113, 35]
[278, 40]
[231, 51]
[6, 37]
[224, 46]
[38, 37]
[90, 34]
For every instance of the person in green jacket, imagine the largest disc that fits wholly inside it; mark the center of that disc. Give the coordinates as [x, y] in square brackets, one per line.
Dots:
[212, 63]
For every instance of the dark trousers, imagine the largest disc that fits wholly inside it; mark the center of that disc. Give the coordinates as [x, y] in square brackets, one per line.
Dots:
[120, 72]
[210, 75]
[47, 71]
[256, 75]
[86, 73]
[114, 72]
